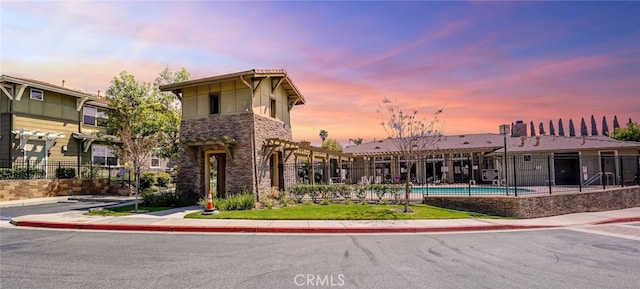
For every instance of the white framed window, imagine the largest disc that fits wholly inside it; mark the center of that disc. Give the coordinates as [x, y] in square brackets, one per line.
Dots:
[526, 158]
[95, 116]
[155, 161]
[103, 155]
[36, 94]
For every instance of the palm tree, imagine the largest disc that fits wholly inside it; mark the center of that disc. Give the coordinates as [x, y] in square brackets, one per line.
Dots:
[323, 134]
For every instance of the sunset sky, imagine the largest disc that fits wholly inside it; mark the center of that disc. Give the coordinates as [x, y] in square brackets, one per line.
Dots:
[484, 63]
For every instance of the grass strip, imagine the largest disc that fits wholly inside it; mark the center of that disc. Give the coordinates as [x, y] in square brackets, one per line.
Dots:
[344, 212]
[124, 211]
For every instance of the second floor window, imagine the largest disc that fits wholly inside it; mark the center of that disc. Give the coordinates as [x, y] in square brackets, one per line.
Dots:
[95, 116]
[214, 104]
[37, 94]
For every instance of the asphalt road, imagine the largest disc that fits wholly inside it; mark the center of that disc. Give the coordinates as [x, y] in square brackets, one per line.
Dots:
[11, 212]
[559, 258]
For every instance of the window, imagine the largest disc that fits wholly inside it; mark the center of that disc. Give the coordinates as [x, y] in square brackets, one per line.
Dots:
[95, 116]
[214, 104]
[155, 161]
[526, 158]
[37, 94]
[103, 155]
[273, 108]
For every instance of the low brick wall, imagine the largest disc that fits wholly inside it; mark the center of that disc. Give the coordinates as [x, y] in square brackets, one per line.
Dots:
[26, 189]
[536, 206]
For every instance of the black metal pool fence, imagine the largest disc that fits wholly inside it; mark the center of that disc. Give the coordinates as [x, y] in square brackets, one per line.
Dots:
[519, 175]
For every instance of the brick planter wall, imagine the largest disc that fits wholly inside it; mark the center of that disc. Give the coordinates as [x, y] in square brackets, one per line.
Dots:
[537, 206]
[27, 189]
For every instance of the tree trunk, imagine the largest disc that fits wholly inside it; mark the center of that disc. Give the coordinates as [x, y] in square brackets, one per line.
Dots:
[407, 186]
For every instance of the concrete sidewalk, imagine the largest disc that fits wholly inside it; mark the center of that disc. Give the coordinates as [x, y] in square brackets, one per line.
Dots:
[173, 221]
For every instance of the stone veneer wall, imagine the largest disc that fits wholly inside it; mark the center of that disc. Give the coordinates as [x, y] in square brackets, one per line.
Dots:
[265, 128]
[239, 176]
[27, 189]
[537, 206]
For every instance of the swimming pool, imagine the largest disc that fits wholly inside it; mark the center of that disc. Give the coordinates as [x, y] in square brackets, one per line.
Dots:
[473, 190]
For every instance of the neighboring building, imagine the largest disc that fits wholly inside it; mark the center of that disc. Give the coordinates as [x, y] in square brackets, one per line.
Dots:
[477, 158]
[43, 124]
[235, 131]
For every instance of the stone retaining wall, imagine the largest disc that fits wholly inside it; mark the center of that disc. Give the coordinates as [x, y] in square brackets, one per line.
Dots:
[27, 189]
[537, 206]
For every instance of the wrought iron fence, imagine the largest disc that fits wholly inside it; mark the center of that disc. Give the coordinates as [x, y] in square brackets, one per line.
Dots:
[11, 170]
[519, 175]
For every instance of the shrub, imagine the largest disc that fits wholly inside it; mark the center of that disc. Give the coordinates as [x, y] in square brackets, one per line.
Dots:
[27, 173]
[147, 179]
[244, 201]
[6, 174]
[163, 180]
[298, 191]
[65, 173]
[164, 199]
[89, 172]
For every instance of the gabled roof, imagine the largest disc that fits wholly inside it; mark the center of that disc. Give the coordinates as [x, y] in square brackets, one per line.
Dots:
[48, 86]
[495, 143]
[295, 97]
[454, 143]
[547, 143]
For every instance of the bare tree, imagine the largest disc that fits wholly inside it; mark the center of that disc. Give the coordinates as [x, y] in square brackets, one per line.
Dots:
[411, 135]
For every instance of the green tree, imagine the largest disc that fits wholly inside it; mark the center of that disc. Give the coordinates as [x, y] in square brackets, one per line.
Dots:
[143, 119]
[332, 145]
[630, 133]
[356, 141]
[169, 145]
[323, 134]
[411, 135]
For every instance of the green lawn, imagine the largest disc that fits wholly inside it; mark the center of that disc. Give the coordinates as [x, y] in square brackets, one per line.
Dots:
[124, 211]
[344, 212]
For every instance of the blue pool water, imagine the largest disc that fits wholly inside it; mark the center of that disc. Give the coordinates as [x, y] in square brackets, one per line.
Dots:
[466, 190]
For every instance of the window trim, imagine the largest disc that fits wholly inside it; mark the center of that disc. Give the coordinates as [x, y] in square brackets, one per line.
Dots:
[41, 98]
[95, 116]
[106, 155]
[151, 161]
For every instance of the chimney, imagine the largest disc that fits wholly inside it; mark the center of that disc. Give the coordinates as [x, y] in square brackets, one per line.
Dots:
[537, 140]
[584, 140]
[522, 139]
[98, 93]
[63, 83]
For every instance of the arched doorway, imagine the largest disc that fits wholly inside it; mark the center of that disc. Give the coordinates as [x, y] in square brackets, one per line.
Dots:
[215, 172]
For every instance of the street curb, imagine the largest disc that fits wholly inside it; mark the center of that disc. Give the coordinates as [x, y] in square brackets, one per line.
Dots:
[286, 230]
[616, 220]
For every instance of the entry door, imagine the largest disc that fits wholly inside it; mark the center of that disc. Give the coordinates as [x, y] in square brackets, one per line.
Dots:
[215, 173]
[608, 160]
[277, 171]
[567, 168]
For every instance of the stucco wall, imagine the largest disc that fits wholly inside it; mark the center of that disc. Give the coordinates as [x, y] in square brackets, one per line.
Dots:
[543, 205]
